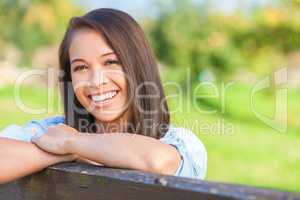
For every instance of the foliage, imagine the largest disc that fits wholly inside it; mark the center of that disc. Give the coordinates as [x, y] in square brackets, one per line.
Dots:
[32, 24]
[190, 35]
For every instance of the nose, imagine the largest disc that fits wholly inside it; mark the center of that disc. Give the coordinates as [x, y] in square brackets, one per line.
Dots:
[98, 77]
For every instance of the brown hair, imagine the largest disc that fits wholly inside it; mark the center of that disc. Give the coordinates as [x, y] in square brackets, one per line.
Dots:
[131, 46]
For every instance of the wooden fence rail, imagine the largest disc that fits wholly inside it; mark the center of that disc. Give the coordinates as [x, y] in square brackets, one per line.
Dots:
[72, 181]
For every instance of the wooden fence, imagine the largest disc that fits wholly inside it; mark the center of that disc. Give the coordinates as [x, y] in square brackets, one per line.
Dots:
[76, 181]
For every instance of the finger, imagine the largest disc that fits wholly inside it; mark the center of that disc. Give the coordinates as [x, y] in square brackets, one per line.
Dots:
[58, 126]
[62, 127]
[35, 140]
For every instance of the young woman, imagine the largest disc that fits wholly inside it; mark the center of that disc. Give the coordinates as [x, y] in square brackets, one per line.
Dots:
[116, 113]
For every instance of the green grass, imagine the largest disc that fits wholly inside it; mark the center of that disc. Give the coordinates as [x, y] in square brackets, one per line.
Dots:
[32, 97]
[251, 153]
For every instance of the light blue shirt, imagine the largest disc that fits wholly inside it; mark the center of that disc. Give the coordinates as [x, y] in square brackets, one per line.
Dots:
[192, 151]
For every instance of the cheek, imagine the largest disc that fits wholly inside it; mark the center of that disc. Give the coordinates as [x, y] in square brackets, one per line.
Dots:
[79, 89]
[79, 82]
[120, 80]
[123, 79]
[123, 85]
[79, 92]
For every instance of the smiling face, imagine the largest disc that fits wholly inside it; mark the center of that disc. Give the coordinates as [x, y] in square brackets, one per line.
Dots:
[98, 77]
[121, 88]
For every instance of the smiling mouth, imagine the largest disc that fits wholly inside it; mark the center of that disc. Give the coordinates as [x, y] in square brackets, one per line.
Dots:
[101, 100]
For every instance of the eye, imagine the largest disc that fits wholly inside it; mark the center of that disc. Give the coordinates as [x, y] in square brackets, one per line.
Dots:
[112, 62]
[80, 68]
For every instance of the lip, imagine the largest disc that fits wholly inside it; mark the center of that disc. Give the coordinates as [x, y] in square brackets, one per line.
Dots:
[102, 104]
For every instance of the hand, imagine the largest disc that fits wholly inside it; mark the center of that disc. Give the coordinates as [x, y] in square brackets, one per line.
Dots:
[68, 158]
[55, 139]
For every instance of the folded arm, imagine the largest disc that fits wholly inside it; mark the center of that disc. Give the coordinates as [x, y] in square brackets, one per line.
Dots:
[121, 150]
[125, 150]
[19, 158]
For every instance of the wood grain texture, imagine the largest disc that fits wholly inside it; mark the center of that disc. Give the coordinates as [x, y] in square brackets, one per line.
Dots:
[84, 182]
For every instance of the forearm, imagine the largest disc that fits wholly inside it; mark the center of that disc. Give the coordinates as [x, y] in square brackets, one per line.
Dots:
[84, 160]
[124, 150]
[20, 158]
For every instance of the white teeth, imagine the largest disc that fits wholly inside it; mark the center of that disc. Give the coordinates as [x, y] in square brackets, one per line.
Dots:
[104, 97]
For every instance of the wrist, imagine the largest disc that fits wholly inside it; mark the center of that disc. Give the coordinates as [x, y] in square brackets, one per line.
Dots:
[66, 158]
[69, 143]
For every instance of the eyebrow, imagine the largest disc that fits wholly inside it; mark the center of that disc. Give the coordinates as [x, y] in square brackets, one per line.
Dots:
[78, 60]
[82, 60]
[108, 53]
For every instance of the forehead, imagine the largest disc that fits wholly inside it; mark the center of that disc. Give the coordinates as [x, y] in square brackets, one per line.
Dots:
[87, 42]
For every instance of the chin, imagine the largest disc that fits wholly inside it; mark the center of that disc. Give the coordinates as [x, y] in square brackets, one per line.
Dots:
[106, 118]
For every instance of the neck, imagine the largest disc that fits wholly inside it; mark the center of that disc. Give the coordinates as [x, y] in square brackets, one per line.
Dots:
[119, 125]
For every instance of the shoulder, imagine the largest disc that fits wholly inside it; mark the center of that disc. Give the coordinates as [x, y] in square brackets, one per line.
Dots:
[191, 149]
[182, 135]
[27, 131]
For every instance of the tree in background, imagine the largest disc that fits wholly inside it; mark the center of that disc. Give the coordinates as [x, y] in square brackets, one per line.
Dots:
[187, 34]
[28, 25]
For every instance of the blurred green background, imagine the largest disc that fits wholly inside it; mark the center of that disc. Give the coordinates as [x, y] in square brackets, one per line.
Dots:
[231, 43]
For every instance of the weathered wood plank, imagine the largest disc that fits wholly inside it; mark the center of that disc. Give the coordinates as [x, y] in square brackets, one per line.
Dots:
[83, 181]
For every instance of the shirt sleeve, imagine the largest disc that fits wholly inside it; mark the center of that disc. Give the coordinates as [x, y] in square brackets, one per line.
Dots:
[27, 131]
[193, 154]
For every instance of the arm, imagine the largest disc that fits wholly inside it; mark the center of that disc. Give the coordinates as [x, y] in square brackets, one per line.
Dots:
[19, 158]
[84, 160]
[125, 150]
[192, 151]
[122, 150]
